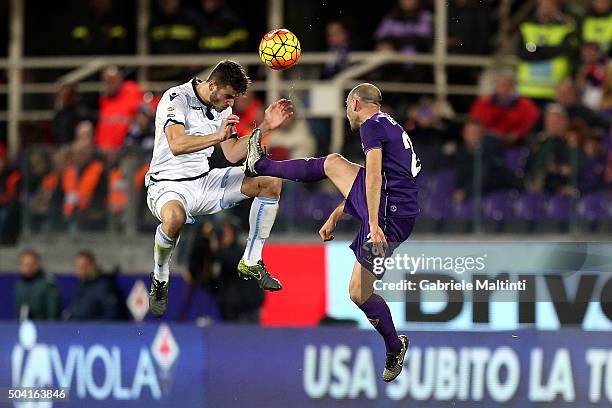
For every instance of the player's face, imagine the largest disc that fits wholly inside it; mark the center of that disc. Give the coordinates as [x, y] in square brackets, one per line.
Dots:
[221, 98]
[351, 114]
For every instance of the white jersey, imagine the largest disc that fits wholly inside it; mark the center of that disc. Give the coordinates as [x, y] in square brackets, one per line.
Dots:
[182, 105]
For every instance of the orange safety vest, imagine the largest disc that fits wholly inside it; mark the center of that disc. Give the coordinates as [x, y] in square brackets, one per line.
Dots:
[115, 115]
[79, 189]
[139, 176]
[117, 191]
[50, 182]
[12, 182]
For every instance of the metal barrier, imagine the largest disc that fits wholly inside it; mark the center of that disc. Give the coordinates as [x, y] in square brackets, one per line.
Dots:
[275, 83]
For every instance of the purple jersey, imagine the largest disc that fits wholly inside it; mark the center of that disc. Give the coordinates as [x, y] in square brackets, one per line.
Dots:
[400, 165]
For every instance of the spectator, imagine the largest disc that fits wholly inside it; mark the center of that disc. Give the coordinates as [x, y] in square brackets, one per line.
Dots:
[545, 48]
[505, 114]
[173, 30]
[68, 112]
[591, 75]
[567, 97]
[250, 110]
[100, 31]
[592, 164]
[96, 297]
[408, 28]
[239, 300]
[430, 133]
[222, 30]
[606, 100]
[596, 26]
[337, 37]
[10, 190]
[494, 173]
[37, 296]
[548, 146]
[83, 182]
[37, 168]
[142, 129]
[118, 104]
[46, 204]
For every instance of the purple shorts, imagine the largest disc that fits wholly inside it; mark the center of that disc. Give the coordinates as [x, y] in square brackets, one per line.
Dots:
[396, 230]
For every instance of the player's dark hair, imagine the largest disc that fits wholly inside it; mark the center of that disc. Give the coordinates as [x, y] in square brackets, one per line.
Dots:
[230, 73]
[87, 254]
[30, 252]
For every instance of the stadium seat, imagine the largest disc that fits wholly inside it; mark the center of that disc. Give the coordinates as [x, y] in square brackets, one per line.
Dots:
[529, 206]
[515, 159]
[559, 208]
[438, 204]
[592, 207]
[497, 206]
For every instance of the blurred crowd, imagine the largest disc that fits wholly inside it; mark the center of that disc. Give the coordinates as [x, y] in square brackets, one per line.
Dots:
[542, 132]
[209, 270]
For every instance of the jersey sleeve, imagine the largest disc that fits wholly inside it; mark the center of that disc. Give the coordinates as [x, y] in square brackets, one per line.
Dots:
[372, 135]
[173, 108]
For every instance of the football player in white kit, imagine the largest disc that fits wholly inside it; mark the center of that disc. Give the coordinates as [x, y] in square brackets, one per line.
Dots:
[190, 120]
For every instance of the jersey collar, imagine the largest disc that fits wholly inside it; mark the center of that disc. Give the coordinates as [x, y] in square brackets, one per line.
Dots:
[194, 83]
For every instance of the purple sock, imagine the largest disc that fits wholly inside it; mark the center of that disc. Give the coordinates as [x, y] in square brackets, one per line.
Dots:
[378, 313]
[305, 170]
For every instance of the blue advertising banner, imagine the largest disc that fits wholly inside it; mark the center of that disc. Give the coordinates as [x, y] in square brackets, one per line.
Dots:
[342, 367]
[159, 365]
[106, 365]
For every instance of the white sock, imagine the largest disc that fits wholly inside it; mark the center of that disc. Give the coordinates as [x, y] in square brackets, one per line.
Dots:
[164, 245]
[261, 219]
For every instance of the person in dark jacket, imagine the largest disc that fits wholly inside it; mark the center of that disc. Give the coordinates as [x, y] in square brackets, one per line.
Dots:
[99, 30]
[37, 296]
[567, 97]
[212, 266]
[173, 30]
[95, 298]
[239, 299]
[222, 30]
[494, 173]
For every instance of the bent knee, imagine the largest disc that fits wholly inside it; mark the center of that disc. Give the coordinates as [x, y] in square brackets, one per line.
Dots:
[332, 161]
[173, 220]
[356, 294]
[271, 187]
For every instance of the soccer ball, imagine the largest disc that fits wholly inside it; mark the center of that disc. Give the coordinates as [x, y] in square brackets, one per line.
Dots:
[279, 49]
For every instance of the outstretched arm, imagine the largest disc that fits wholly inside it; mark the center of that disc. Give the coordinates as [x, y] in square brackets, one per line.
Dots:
[373, 181]
[275, 115]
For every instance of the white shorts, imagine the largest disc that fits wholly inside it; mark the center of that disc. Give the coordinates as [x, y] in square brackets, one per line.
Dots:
[218, 190]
